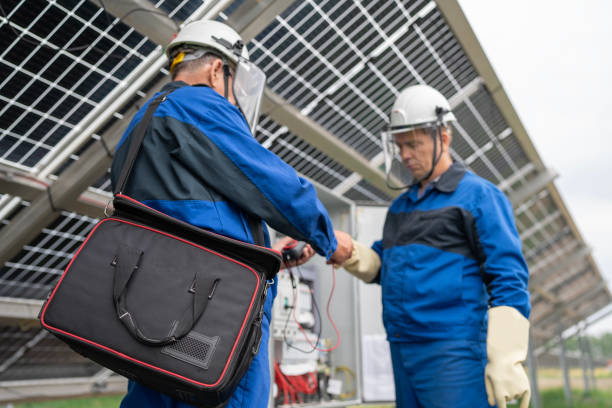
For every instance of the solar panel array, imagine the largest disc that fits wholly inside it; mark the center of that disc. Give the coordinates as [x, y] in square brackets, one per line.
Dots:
[58, 61]
[37, 268]
[341, 63]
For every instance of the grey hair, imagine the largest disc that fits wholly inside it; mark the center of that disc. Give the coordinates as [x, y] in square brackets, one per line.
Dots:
[191, 65]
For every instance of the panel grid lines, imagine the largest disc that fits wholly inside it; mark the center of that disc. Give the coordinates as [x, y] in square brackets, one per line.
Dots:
[40, 264]
[67, 84]
[336, 107]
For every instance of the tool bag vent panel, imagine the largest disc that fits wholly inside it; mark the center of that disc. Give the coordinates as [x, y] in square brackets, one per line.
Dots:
[194, 348]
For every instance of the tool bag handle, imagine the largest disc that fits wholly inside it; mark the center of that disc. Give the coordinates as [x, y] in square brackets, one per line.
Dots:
[126, 263]
[136, 141]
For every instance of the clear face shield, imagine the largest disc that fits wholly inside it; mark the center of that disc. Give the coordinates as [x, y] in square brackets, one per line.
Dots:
[399, 176]
[248, 86]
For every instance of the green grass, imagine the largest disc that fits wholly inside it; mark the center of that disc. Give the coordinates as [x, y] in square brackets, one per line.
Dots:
[107, 401]
[553, 398]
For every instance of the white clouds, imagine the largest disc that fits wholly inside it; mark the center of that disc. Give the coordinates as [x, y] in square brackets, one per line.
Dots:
[595, 217]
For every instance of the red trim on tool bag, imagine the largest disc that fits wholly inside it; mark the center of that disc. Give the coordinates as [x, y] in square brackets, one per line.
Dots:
[235, 240]
[42, 316]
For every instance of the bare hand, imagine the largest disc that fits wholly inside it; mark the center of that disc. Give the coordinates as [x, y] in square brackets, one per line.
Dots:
[307, 252]
[344, 249]
[281, 243]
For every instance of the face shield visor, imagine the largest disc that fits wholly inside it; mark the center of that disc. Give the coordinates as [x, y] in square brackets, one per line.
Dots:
[398, 174]
[248, 86]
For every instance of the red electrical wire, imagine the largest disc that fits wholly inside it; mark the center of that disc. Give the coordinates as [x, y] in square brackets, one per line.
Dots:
[308, 383]
[294, 386]
[304, 383]
[331, 293]
[288, 390]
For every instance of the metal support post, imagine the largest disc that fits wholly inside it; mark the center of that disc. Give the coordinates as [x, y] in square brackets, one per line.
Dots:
[536, 401]
[584, 363]
[591, 366]
[564, 367]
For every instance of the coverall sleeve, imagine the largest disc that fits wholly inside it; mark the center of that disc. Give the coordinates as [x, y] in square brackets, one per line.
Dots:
[232, 162]
[505, 270]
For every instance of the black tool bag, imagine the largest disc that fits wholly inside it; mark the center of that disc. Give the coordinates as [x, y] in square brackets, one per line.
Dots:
[162, 302]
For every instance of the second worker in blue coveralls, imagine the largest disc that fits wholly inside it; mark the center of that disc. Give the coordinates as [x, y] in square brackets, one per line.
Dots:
[200, 163]
[449, 256]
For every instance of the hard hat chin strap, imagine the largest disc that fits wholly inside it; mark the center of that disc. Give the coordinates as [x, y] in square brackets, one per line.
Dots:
[226, 75]
[236, 49]
[435, 134]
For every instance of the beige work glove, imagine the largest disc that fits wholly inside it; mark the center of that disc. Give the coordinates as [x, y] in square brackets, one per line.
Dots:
[364, 263]
[507, 342]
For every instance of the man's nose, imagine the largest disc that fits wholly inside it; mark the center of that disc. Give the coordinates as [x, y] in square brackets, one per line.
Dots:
[405, 153]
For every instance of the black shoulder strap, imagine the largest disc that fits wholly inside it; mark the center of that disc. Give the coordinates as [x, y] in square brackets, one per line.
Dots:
[256, 230]
[137, 138]
[136, 141]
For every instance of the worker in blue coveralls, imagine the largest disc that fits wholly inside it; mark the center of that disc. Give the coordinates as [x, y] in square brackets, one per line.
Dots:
[450, 253]
[200, 163]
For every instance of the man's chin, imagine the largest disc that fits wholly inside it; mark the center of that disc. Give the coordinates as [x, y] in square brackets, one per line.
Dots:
[416, 176]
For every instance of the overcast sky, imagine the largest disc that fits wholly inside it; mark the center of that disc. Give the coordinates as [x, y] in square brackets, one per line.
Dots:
[554, 59]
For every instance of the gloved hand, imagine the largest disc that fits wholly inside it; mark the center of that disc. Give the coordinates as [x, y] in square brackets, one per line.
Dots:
[364, 263]
[507, 342]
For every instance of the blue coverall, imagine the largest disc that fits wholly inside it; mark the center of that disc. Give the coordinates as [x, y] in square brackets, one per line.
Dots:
[446, 257]
[200, 163]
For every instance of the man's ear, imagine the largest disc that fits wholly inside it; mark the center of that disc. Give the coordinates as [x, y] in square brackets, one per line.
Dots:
[216, 71]
[447, 137]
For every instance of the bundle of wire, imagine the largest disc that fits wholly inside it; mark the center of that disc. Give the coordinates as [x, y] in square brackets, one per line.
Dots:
[294, 387]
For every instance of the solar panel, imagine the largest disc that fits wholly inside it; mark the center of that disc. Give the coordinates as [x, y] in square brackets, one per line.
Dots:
[28, 353]
[34, 272]
[318, 57]
[59, 59]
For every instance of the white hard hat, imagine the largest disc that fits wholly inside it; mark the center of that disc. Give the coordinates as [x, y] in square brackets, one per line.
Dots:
[212, 35]
[419, 106]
